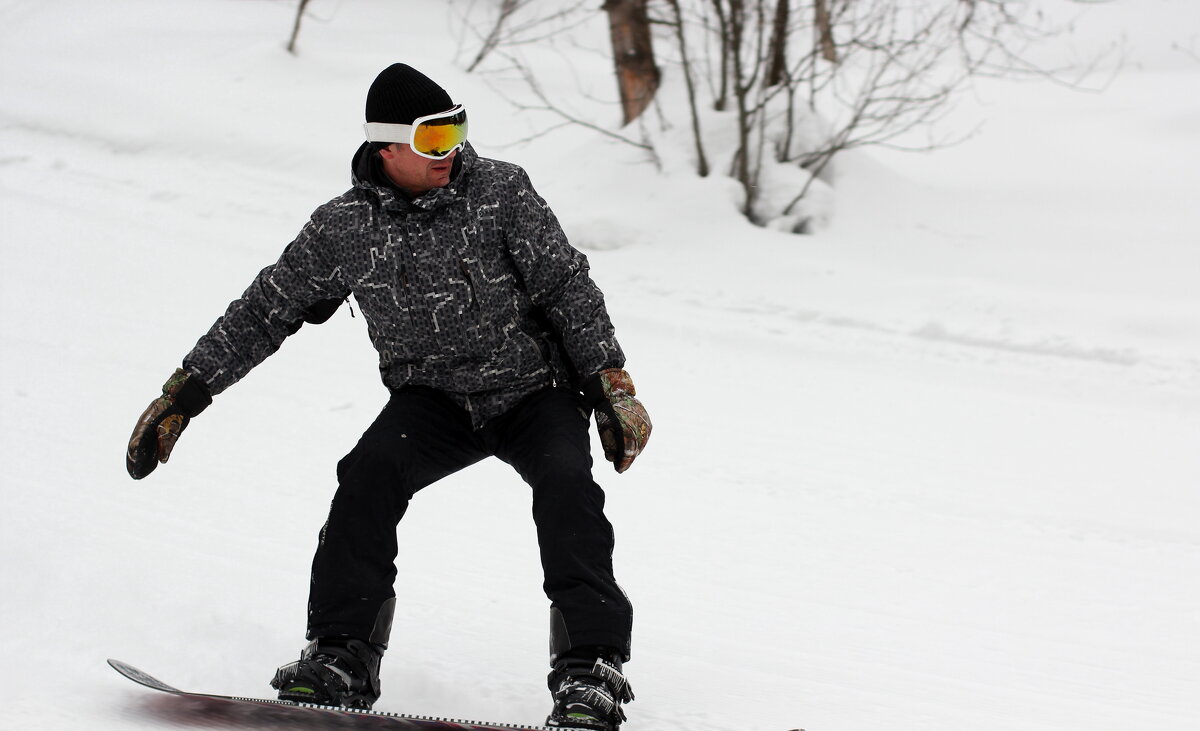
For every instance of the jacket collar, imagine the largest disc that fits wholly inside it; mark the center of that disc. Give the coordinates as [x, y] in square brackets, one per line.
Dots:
[367, 175]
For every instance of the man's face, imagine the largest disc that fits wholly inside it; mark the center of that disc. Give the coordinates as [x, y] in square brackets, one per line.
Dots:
[415, 174]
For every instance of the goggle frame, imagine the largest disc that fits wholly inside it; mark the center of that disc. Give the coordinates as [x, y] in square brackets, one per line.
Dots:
[406, 134]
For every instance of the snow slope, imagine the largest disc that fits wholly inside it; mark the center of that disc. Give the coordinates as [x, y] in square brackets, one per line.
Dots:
[934, 467]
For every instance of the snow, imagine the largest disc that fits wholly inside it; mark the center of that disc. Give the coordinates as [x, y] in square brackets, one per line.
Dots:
[933, 467]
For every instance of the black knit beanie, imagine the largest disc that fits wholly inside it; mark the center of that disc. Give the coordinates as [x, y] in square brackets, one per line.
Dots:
[400, 94]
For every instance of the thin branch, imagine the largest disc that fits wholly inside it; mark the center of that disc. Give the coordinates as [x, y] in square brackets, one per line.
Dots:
[567, 118]
[291, 46]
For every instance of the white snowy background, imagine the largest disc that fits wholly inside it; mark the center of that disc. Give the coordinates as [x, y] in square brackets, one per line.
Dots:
[934, 467]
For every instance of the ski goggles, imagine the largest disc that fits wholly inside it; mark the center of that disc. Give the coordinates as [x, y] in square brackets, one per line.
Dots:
[434, 136]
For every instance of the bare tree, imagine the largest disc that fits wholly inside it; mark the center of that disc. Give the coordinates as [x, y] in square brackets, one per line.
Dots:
[798, 81]
[808, 79]
[291, 46]
[492, 39]
[824, 28]
[777, 55]
[545, 104]
[524, 22]
[690, 83]
[1191, 50]
[633, 55]
[520, 23]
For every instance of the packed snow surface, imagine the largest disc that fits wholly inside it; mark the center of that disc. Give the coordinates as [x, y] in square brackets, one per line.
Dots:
[933, 467]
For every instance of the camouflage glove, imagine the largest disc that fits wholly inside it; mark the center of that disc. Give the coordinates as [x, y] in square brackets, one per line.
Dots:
[163, 421]
[621, 419]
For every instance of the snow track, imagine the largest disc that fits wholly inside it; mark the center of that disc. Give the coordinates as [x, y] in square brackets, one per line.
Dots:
[932, 468]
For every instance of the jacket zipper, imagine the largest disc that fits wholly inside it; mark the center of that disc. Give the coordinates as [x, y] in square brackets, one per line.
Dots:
[462, 267]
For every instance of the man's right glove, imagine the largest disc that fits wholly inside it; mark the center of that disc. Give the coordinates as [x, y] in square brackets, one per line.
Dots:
[163, 421]
[621, 419]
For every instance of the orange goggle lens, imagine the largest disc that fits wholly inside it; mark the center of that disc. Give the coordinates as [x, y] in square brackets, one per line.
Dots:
[440, 136]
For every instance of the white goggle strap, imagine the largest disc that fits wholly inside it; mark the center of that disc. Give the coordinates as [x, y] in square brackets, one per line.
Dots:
[404, 133]
[385, 132]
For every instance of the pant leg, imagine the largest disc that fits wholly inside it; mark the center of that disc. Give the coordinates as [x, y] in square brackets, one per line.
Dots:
[420, 437]
[546, 440]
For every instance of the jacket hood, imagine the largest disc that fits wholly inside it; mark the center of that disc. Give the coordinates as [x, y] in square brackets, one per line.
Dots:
[366, 173]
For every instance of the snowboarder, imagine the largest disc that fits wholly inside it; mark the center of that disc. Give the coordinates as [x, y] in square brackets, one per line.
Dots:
[493, 340]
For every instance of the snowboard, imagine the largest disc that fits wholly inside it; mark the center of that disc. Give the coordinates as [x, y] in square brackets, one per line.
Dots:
[226, 711]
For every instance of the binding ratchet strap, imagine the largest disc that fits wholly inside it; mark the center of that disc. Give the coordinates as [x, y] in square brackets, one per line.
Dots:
[434, 136]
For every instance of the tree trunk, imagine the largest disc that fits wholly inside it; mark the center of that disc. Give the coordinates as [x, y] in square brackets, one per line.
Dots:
[824, 26]
[777, 53]
[743, 170]
[681, 39]
[633, 55]
[721, 99]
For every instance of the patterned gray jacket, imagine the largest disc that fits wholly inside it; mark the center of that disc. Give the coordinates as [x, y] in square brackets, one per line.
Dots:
[471, 289]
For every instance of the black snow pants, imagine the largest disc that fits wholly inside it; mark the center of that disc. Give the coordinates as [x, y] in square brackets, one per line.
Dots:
[422, 436]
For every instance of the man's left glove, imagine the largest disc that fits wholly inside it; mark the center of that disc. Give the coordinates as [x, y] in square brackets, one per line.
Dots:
[163, 421]
[621, 419]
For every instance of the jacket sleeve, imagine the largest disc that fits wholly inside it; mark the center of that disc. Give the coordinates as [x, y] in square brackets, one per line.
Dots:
[303, 286]
[556, 275]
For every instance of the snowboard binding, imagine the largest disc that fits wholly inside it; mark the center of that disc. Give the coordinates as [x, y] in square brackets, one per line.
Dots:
[588, 695]
[332, 672]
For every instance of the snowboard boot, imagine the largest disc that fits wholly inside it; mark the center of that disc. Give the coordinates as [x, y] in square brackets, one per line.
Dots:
[333, 671]
[588, 690]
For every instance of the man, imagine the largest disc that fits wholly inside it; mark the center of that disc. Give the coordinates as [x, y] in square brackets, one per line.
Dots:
[493, 341]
